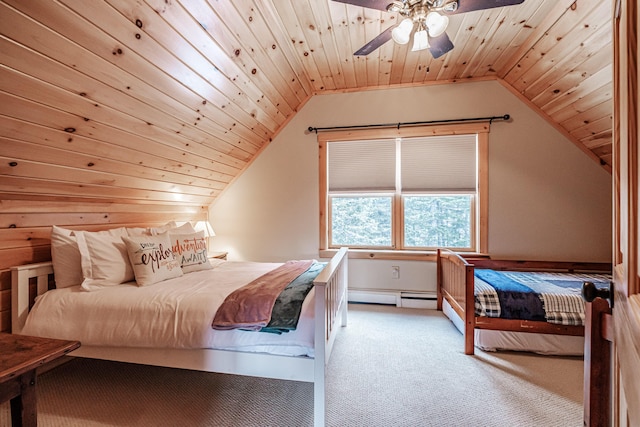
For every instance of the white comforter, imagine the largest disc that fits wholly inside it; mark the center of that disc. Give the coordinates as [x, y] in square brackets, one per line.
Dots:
[176, 313]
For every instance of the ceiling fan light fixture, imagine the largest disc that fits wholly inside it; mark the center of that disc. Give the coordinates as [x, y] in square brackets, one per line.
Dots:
[395, 6]
[450, 7]
[436, 23]
[420, 40]
[429, 15]
[402, 33]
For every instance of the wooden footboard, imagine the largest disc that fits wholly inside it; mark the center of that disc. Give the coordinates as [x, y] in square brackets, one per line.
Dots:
[456, 286]
[331, 300]
[330, 289]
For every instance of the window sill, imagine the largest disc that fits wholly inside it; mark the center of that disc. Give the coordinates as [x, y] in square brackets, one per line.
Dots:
[391, 254]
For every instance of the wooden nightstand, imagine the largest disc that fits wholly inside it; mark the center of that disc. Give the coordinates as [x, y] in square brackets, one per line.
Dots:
[20, 356]
[218, 255]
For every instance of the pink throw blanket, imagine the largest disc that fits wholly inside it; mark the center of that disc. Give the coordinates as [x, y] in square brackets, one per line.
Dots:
[250, 306]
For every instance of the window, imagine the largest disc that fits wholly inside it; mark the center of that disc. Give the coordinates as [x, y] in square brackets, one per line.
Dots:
[404, 190]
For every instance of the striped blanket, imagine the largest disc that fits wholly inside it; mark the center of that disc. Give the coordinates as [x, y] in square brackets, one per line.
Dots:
[541, 296]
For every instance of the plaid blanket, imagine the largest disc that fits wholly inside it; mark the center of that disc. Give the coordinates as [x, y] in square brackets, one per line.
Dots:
[521, 295]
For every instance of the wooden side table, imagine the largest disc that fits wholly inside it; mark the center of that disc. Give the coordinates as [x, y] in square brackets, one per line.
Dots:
[20, 355]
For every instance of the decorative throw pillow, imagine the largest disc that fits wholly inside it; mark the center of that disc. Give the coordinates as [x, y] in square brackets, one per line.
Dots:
[152, 258]
[104, 258]
[65, 258]
[191, 250]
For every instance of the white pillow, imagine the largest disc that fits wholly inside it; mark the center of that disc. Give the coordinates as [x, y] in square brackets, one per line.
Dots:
[162, 229]
[65, 258]
[191, 250]
[154, 231]
[172, 226]
[152, 259]
[104, 257]
[138, 231]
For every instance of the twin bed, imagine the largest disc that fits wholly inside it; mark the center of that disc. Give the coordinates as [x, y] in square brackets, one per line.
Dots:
[169, 323]
[491, 302]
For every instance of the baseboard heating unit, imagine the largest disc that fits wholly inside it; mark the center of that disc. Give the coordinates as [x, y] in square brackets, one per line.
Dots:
[405, 299]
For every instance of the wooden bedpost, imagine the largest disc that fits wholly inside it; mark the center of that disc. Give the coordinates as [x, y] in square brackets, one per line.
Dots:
[469, 311]
[439, 280]
[598, 335]
[319, 398]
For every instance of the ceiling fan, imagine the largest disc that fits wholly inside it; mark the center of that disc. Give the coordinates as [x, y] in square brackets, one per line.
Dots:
[426, 19]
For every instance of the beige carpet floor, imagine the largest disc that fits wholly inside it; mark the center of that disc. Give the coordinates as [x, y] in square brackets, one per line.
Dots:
[390, 367]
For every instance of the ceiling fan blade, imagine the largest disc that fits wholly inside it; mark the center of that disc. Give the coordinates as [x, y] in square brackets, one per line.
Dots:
[381, 39]
[371, 4]
[471, 5]
[440, 45]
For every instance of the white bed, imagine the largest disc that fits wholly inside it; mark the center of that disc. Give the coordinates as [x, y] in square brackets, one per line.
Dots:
[114, 323]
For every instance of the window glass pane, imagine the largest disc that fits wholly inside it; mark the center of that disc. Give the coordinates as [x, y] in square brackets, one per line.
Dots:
[437, 221]
[361, 221]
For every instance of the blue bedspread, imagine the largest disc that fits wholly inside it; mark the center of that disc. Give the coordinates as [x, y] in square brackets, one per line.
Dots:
[554, 297]
[517, 301]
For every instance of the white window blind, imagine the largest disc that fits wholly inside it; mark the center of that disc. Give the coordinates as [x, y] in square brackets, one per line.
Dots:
[433, 163]
[362, 165]
[436, 163]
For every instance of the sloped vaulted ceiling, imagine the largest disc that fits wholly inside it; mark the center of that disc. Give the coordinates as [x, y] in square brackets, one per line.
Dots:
[167, 101]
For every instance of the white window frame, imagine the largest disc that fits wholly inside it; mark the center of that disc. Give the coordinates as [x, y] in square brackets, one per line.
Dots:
[479, 222]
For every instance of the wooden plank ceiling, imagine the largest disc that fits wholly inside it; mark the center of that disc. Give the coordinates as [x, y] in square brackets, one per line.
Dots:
[166, 101]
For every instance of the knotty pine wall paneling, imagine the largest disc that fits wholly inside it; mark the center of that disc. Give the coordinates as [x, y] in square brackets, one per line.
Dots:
[25, 228]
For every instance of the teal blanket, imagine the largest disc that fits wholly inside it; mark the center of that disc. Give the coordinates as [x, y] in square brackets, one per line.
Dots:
[288, 305]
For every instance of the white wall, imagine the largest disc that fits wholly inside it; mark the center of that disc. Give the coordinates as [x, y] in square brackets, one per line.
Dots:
[547, 199]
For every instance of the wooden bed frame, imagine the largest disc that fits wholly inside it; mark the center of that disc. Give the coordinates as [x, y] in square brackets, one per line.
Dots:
[456, 286]
[330, 306]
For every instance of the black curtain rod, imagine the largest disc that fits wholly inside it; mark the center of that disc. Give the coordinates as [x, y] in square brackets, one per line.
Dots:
[398, 125]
